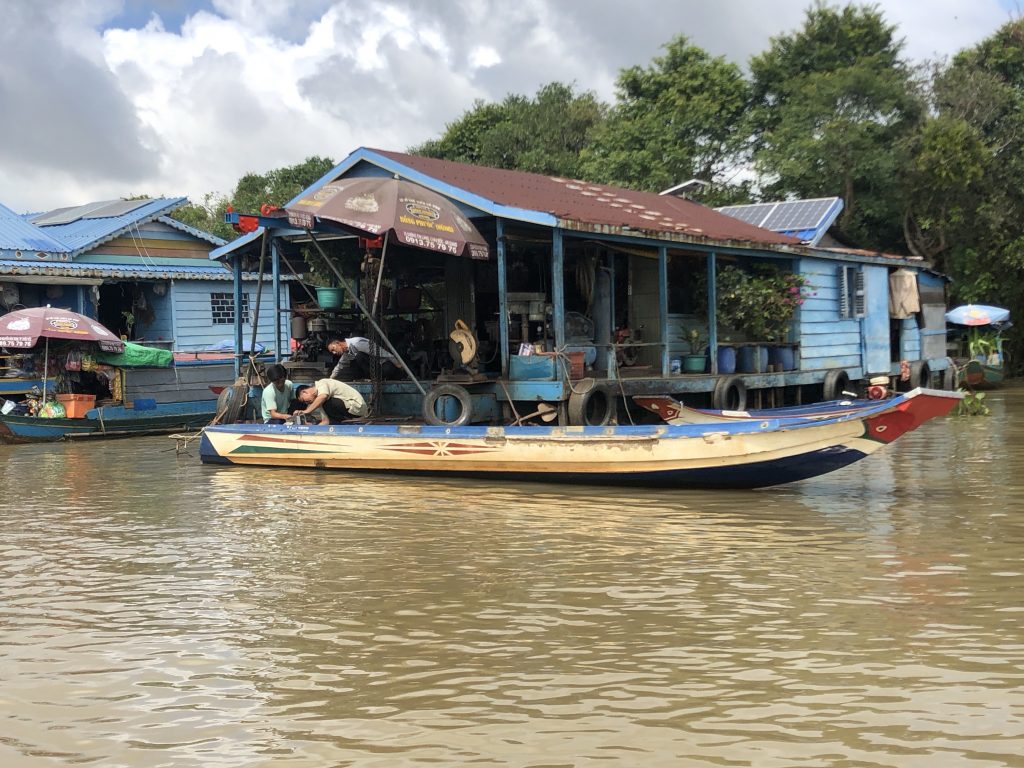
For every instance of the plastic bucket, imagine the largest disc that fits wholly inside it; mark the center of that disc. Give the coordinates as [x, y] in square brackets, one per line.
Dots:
[329, 298]
[694, 363]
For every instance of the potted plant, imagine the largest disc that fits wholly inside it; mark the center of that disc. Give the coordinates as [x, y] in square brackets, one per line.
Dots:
[696, 361]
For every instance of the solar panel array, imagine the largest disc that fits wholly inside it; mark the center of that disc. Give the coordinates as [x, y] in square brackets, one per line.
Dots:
[786, 216]
[102, 210]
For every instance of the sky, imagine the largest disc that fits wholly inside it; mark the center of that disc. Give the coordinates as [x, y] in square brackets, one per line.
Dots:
[102, 99]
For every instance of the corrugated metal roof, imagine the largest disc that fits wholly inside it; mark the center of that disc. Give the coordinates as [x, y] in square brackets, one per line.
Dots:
[16, 234]
[202, 234]
[582, 205]
[119, 271]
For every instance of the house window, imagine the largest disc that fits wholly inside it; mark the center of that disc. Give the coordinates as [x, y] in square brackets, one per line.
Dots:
[851, 292]
[222, 308]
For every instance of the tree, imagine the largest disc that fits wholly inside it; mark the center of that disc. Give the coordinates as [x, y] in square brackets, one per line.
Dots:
[969, 171]
[252, 191]
[678, 119]
[833, 106]
[542, 135]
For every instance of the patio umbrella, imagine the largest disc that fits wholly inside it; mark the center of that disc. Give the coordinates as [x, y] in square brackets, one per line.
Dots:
[22, 328]
[396, 208]
[977, 314]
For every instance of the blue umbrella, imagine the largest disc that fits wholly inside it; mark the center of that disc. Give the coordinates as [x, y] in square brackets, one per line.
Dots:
[977, 314]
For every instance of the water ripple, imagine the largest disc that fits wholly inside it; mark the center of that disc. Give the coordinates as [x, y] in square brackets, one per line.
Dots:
[157, 612]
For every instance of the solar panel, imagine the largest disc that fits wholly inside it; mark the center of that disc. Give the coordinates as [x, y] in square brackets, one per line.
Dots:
[68, 215]
[793, 216]
[100, 210]
[115, 208]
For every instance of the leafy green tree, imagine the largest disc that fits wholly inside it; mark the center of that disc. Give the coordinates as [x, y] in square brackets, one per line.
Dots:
[833, 105]
[252, 191]
[981, 207]
[678, 119]
[542, 135]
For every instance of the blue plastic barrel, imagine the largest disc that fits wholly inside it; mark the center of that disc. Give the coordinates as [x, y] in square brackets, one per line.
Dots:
[727, 360]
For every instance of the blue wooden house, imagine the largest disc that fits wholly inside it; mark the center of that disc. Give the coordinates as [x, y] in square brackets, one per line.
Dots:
[129, 264]
[618, 286]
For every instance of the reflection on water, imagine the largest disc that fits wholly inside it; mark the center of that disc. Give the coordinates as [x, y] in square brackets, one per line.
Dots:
[157, 612]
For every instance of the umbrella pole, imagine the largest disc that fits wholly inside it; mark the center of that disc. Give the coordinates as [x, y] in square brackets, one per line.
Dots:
[380, 274]
[348, 289]
[46, 365]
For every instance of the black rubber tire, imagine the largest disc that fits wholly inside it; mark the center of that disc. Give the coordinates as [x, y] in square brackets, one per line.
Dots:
[461, 395]
[591, 408]
[231, 402]
[835, 383]
[950, 377]
[730, 394]
[920, 374]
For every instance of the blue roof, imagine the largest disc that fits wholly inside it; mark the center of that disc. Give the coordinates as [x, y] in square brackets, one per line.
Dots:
[123, 271]
[16, 234]
[202, 234]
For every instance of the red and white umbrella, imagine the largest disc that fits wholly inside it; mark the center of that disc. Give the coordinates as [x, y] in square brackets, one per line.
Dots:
[23, 328]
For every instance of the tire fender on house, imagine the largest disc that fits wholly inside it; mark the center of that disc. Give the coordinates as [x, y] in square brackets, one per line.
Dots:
[231, 402]
[920, 374]
[443, 391]
[835, 383]
[592, 407]
[730, 394]
[950, 377]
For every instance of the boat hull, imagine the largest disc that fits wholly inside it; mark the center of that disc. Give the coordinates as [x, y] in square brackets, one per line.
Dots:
[978, 375]
[741, 454]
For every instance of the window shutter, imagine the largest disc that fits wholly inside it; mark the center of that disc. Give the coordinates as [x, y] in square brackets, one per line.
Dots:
[859, 303]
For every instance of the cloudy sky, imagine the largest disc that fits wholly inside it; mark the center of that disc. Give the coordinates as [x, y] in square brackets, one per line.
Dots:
[106, 98]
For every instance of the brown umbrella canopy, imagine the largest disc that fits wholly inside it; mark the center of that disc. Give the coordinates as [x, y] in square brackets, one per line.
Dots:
[405, 211]
[22, 328]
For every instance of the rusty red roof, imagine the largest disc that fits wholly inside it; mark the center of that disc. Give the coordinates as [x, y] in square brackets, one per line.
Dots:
[584, 205]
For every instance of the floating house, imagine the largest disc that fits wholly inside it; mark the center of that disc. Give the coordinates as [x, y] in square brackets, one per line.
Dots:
[141, 273]
[596, 294]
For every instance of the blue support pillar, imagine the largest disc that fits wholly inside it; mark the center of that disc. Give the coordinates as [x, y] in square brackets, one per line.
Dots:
[558, 287]
[502, 298]
[663, 307]
[712, 313]
[275, 270]
[613, 368]
[239, 320]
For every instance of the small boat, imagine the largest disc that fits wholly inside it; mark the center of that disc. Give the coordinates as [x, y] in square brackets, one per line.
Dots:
[674, 412]
[146, 390]
[142, 418]
[741, 453]
[980, 357]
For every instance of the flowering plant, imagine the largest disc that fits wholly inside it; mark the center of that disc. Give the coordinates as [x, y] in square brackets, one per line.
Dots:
[759, 303]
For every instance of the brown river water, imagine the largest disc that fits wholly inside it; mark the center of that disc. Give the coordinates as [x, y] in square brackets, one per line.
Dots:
[158, 612]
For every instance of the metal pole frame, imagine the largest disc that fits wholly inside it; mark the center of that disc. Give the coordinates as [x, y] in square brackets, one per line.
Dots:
[362, 307]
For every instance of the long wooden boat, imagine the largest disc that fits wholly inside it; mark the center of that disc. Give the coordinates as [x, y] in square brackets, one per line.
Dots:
[674, 412]
[744, 453]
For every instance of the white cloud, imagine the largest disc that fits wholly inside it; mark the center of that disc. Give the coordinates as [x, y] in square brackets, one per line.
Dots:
[251, 85]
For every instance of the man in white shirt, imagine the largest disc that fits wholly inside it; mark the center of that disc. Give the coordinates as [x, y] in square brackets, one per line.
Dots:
[336, 400]
[355, 359]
